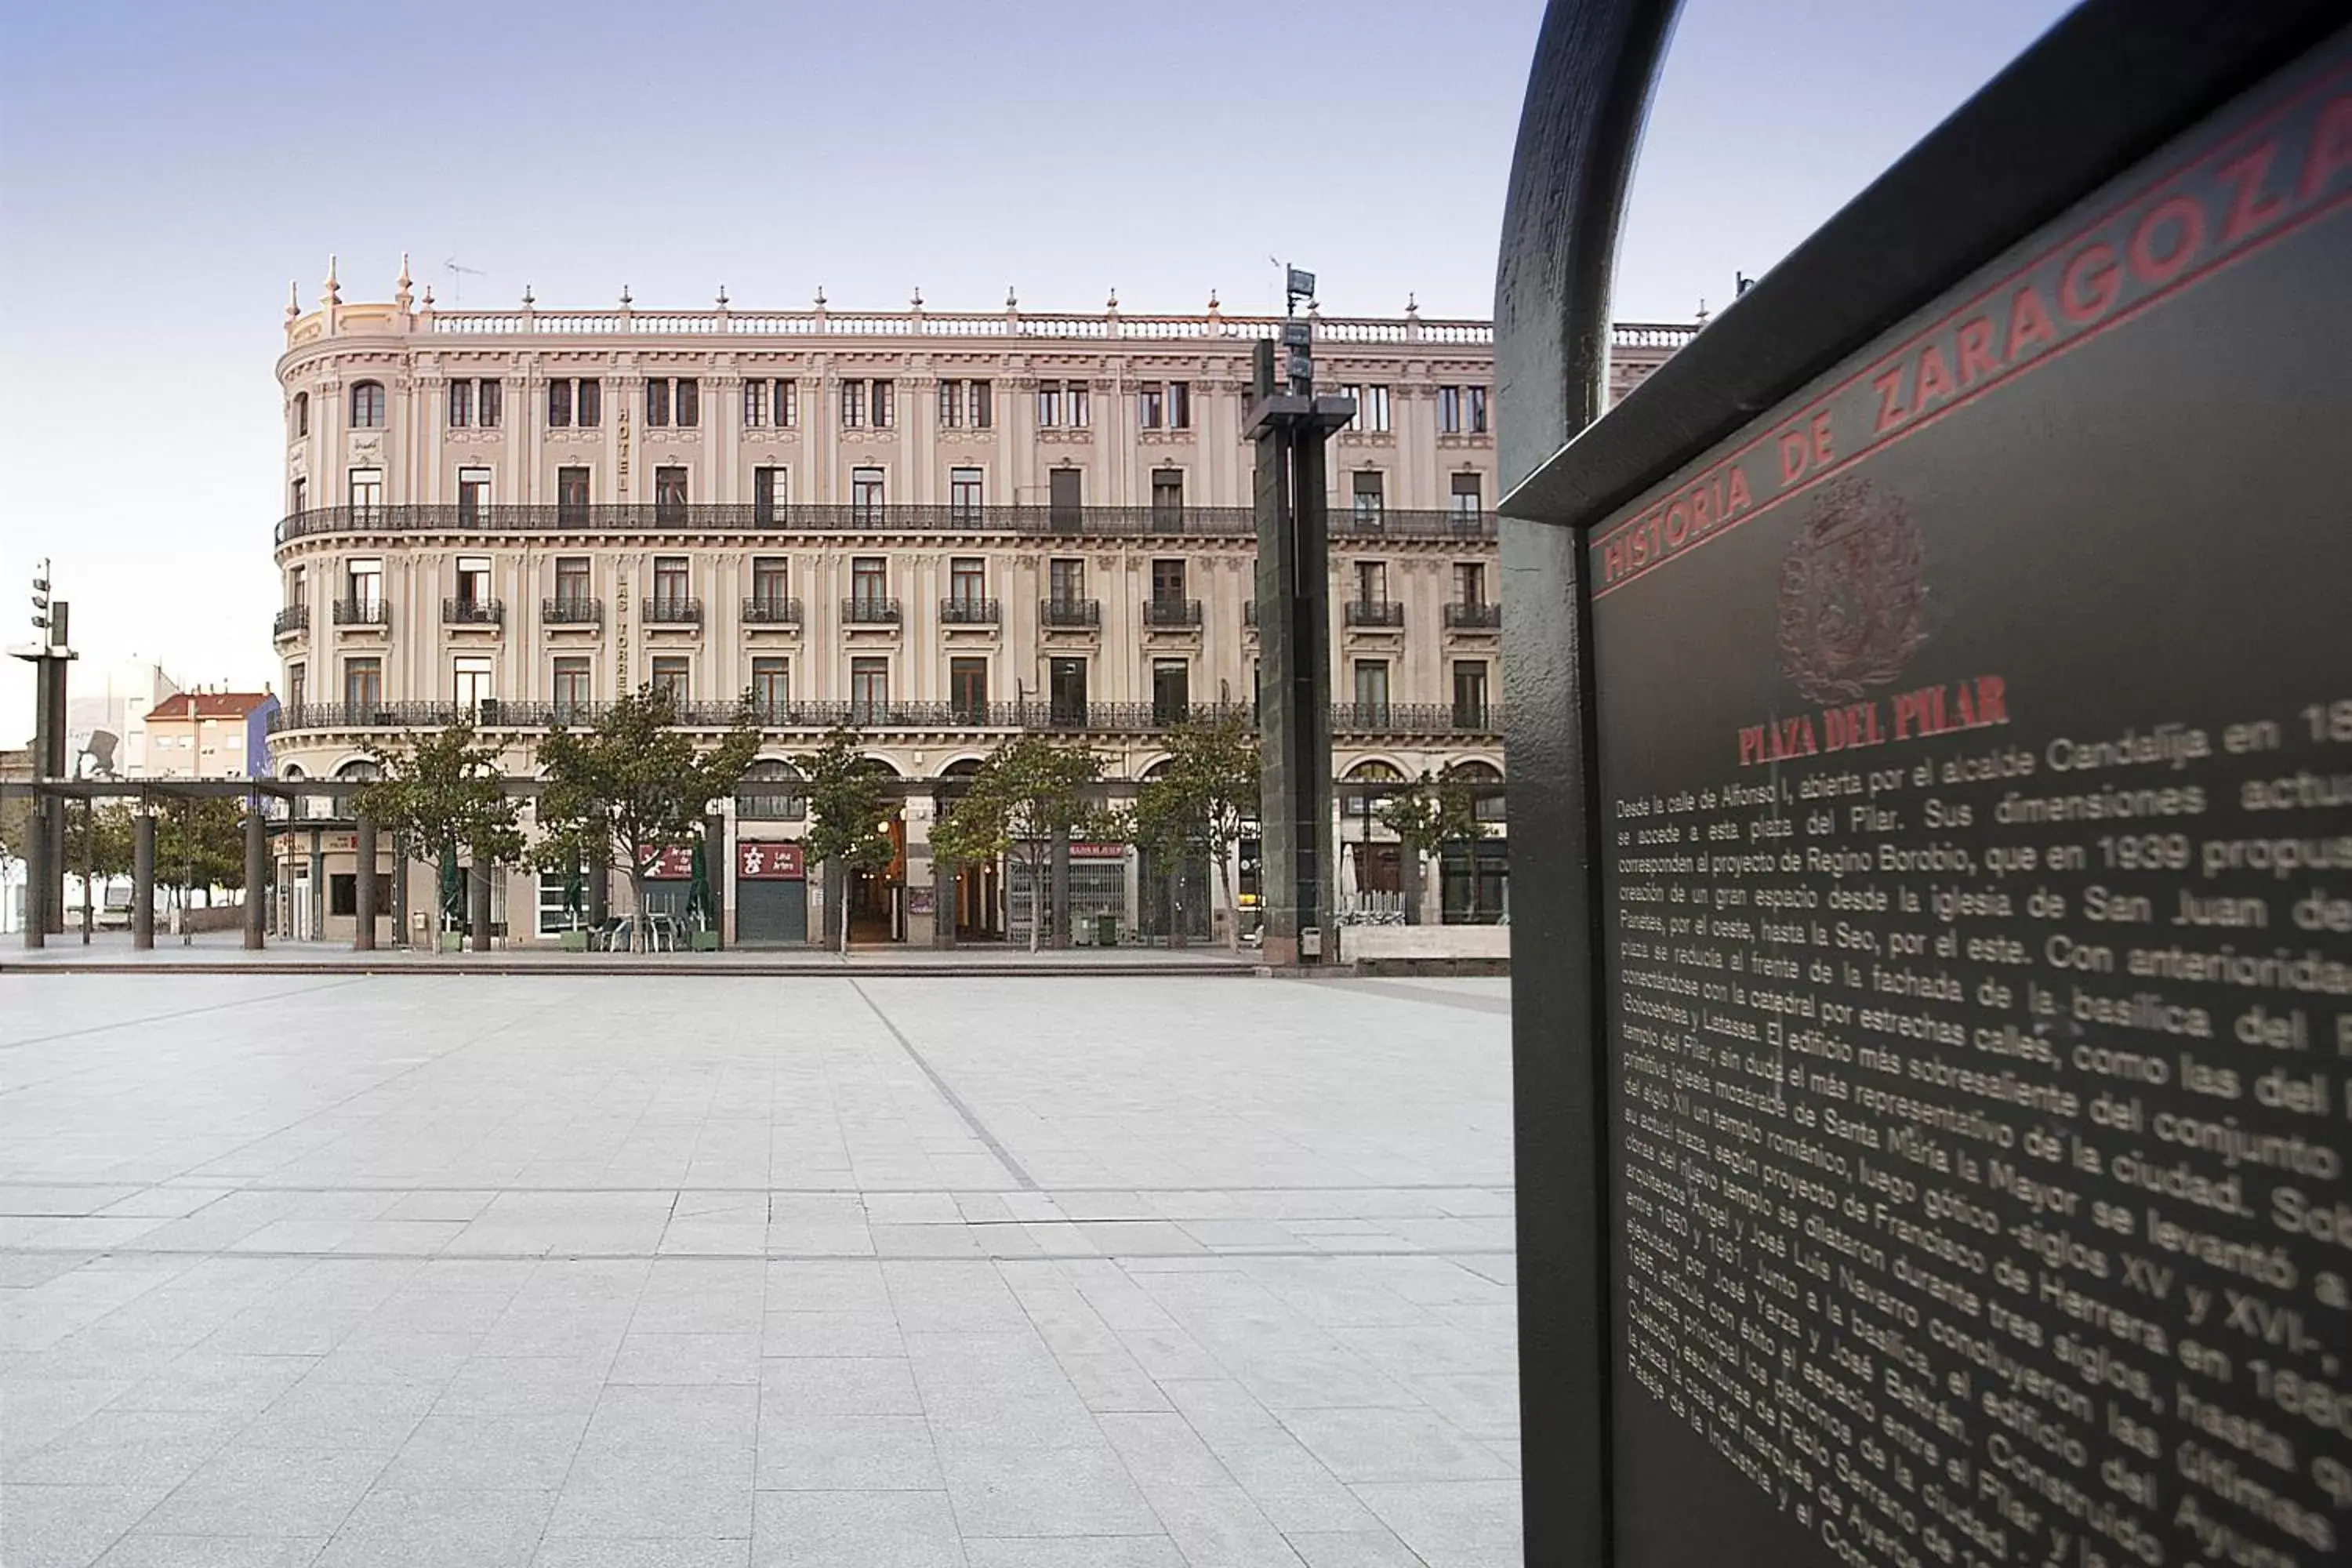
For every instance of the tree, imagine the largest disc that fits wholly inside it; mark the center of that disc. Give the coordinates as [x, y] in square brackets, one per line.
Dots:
[99, 847]
[1428, 813]
[635, 785]
[1207, 797]
[200, 843]
[441, 797]
[847, 806]
[1029, 789]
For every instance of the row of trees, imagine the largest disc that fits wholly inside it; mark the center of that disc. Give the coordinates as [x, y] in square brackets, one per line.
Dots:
[637, 784]
[199, 843]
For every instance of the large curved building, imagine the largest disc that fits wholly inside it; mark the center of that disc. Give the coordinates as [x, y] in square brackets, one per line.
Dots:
[944, 528]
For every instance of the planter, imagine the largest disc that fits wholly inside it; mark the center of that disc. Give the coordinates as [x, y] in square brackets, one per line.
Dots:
[453, 941]
[573, 941]
[706, 941]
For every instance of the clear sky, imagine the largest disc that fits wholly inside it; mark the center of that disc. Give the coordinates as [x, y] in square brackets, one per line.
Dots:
[167, 166]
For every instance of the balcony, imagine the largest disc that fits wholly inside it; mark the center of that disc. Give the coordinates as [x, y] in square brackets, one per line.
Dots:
[363, 613]
[1179, 615]
[1066, 614]
[473, 613]
[1385, 614]
[963, 611]
[772, 610]
[572, 610]
[1225, 522]
[1473, 617]
[1415, 718]
[291, 619]
[867, 610]
[661, 611]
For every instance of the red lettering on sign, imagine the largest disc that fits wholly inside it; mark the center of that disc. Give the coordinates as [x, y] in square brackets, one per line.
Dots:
[1679, 521]
[2249, 208]
[2331, 147]
[1977, 356]
[1793, 456]
[2108, 282]
[1890, 400]
[1736, 499]
[2029, 322]
[2180, 212]
[1935, 377]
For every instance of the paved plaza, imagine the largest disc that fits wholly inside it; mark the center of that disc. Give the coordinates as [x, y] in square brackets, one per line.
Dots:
[1159, 1271]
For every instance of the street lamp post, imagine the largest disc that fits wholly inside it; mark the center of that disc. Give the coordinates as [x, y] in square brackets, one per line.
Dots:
[45, 903]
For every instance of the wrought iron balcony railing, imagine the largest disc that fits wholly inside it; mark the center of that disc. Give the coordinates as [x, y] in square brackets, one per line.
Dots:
[363, 613]
[572, 610]
[968, 611]
[672, 612]
[1463, 616]
[866, 610]
[645, 517]
[473, 613]
[1113, 717]
[772, 610]
[1069, 612]
[1160, 612]
[292, 618]
[1375, 613]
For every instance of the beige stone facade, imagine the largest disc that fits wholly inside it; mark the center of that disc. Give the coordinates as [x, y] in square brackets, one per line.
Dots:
[945, 527]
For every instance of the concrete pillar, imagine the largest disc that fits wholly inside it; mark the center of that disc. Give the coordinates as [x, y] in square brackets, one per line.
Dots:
[1060, 929]
[256, 871]
[477, 904]
[37, 876]
[399, 892]
[364, 883]
[142, 879]
[714, 856]
[600, 885]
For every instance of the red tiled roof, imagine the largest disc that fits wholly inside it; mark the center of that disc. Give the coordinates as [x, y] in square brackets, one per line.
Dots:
[208, 705]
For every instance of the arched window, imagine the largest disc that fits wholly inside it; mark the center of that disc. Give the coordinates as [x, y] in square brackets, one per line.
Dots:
[1371, 772]
[770, 792]
[367, 405]
[301, 415]
[1485, 782]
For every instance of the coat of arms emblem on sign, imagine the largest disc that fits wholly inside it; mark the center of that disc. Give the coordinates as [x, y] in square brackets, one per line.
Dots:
[1854, 608]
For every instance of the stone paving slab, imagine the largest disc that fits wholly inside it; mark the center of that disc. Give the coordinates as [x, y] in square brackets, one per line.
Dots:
[1152, 1271]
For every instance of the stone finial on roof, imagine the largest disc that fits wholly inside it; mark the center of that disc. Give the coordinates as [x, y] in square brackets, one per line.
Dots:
[1112, 303]
[1701, 317]
[1214, 306]
[401, 284]
[722, 295]
[331, 293]
[1012, 301]
[293, 300]
[625, 296]
[820, 296]
[529, 299]
[1411, 306]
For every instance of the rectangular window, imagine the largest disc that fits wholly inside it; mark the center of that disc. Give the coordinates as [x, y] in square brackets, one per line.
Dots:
[885, 405]
[1167, 498]
[771, 688]
[671, 673]
[1370, 495]
[1168, 579]
[669, 494]
[572, 497]
[1075, 400]
[1477, 410]
[300, 496]
[461, 404]
[866, 495]
[1467, 498]
[967, 579]
[1170, 690]
[343, 893]
[963, 496]
[1372, 409]
[473, 580]
[1049, 404]
[1372, 685]
[558, 909]
[489, 403]
[769, 489]
[1469, 694]
[658, 402]
[366, 493]
[688, 402]
[755, 405]
[869, 579]
[1065, 690]
[559, 403]
[1062, 498]
[853, 405]
[1066, 580]
[1180, 406]
[870, 689]
[588, 402]
[1449, 411]
[788, 405]
[572, 687]
[572, 579]
[1150, 406]
[771, 579]
[1462, 410]
[1372, 582]
[951, 404]
[298, 686]
[364, 582]
[470, 684]
[979, 402]
[473, 495]
[1470, 583]
[671, 578]
[968, 690]
[363, 683]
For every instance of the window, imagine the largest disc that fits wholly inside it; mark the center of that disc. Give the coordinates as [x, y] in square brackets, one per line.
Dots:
[768, 404]
[363, 582]
[473, 580]
[343, 893]
[1372, 582]
[572, 497]
[1469, 694]
[787, 405]
[866, 495]
[1066, 580]
[473, 495]
[363, 683]
[669, 494]
[963, 496]
[771, 688]
[1062, 404]
[366, 492]
[1150, 406]
[1170, 690]
[870, 688]
[300, 495]
[1372, 685]
[367, 405]
[853, 405]
[1075, 402]
[670, 584]
[1180, 406]
[557, 911]
[572, 579]
[1370, 495]
[572, 687]
[1470, 583]
[967, 579]
[673, 399]
[1062, 493]
[298, 686]
[967, 403]
[461, 404]
[772, 580]
[1065, 690]
[301, 415]
[670, 675]
[869, 579]
[968, 690]
[1168, 580]
[1462, 410]
[1167, 498]
[863, 401]
[588, 402]
[885, 405]
[559, 403]
[769, 486]
[1371, 407]
[1049, 404]
[470, 683]
[755, 405]
[489, 403]
[1467, 501]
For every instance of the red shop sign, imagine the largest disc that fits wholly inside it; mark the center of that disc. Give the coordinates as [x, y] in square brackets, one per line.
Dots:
[758, 860]
[1098, 851]
[675, 863]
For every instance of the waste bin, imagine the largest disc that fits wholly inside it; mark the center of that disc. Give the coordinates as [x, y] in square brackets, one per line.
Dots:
[1105, 931]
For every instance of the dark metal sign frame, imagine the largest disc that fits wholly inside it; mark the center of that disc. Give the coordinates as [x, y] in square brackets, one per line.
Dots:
[2101, 91]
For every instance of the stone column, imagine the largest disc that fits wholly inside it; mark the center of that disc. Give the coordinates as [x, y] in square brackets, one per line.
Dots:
[142, 879]
[944, 879]
[1059, 936]
[363, 884]
[256, 870]
[37, 875]
[715, 857]
[477, 904]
